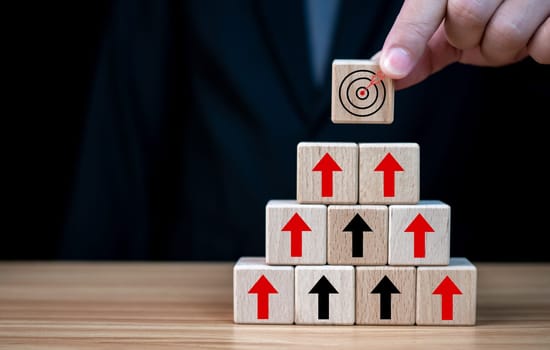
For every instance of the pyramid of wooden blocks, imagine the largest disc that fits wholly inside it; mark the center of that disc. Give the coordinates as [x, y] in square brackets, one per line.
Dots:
[358, 245]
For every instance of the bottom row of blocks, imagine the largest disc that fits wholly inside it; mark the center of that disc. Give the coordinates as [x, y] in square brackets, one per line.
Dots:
[328, 294]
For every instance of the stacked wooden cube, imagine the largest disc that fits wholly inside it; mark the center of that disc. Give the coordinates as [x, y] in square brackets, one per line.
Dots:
[358, 245]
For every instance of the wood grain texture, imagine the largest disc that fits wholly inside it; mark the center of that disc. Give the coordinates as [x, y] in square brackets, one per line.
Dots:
[344, 182]
[374, 247]
[374, 158]
[368, 299]
[359, 96]
[248, 275]
[189, 305]
[430, 304]
[278, 238]
[341, 309]
[437, 244]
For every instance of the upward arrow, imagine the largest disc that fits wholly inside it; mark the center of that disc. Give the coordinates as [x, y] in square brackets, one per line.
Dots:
[389, 166]
[447, 288]
[385, 288]
[323, 289]
[296, 225]
[263, 288]
[326, 166]
[419, 226]
[357, 226]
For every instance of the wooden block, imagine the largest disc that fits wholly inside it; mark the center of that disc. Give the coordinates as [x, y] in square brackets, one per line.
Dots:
[446, 295]
[325, 295]
[385, 295]
[360, 93]
[296, 234]
[389, 173]
[357, 235]
[262, 293]
[327, 172]
[420, 234]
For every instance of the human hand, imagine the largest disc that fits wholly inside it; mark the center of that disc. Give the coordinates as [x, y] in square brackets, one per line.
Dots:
[429, 35]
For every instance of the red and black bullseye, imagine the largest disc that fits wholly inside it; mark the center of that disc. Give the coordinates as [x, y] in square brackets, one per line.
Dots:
[361, 93]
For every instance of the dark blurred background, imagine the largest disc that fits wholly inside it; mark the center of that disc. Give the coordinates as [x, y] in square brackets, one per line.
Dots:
[491, 172]
[52, 52]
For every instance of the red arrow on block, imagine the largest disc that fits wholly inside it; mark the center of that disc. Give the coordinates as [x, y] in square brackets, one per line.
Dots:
[326, 166]
[296, 225]
[389, 166]
[263, 288]
[419, 226]
[447, 288]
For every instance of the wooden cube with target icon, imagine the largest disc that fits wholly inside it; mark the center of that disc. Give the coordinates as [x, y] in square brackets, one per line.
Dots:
[361, 94]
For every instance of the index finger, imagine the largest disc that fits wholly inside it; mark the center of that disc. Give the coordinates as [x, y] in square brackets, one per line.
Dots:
[408, 38]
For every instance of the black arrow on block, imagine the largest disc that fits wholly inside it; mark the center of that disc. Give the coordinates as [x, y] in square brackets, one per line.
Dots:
[323, 289]
[357, 226]
[385, 288]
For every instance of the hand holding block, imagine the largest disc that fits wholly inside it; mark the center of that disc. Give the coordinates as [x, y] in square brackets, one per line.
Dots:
[389, 173]
[327, 172]
[361, 94]
[357, 235]
[420, 234]
[385, 295]
[325, 295]
[262, 293]
[446, 295]
[296, 234]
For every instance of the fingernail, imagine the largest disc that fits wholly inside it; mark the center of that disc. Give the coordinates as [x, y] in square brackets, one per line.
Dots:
[397, 62]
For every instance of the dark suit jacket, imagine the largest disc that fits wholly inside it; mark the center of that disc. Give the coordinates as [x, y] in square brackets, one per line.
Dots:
[197, 108]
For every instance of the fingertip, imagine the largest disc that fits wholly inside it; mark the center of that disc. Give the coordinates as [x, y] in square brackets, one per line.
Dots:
[396, 62]
[376, 57]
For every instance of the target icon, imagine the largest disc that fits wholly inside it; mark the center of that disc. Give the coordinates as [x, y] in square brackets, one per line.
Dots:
[362, 93]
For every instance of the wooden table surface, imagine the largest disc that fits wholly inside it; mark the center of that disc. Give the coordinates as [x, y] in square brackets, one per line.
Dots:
[104, 305]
